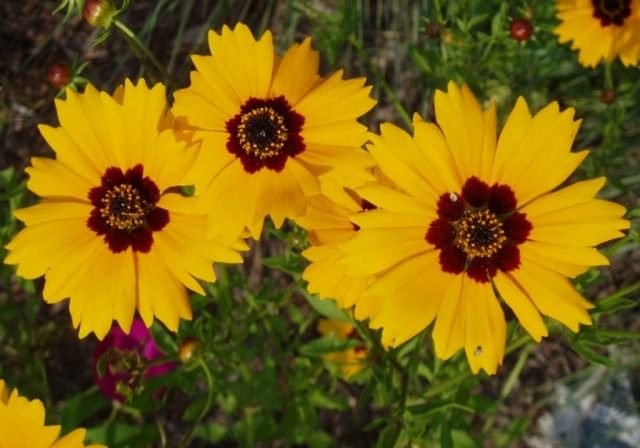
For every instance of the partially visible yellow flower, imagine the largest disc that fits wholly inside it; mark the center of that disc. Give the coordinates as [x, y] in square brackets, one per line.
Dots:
[601, 29]
[328, 222]
[112, 233]
[22, 424]
[350, 361]
[473, 221]
[269, 126]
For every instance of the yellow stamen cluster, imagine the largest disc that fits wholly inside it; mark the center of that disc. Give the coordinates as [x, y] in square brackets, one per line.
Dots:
[124, 208]
[262, 132]
[479, 233]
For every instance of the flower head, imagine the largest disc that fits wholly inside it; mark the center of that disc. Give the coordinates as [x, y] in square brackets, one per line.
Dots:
[474, 222]
[349, 361]
[111, 232]
[269, 126]
[601, 29]
[121, 361]
[22, 423]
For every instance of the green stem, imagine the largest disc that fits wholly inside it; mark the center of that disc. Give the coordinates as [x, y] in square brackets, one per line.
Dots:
[207, 405]
[608, 78]
[142, 51]
[161, 432]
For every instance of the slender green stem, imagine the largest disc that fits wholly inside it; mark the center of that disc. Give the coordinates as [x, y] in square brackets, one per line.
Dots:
[608, 78]
[161, 432]
[144, 54]
[207, 405]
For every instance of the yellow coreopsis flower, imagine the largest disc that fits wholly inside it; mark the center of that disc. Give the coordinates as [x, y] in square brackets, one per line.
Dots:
[269, 126]
[350, 361]
[474, 222]
[111, 233]
[22, 425]
[601, 29]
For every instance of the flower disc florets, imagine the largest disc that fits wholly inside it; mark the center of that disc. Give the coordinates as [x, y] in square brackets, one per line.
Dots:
[478, 231]
[265, 133]
[125, 210]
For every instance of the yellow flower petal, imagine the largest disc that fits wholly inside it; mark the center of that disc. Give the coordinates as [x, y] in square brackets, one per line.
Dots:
[34, 249]
[160, 293]
[440, 168]
[245, 63]
[394, 161]
[22, 424]
[375, 250]
[522, 305]
[409, 303]
[50, 178]
[297, 72]
[462, 122]
[448, 332]
[553, 295]
[485, 329]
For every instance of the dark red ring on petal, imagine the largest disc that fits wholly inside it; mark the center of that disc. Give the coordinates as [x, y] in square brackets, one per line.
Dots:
[261, 141]
[112, 219]
[466, 222]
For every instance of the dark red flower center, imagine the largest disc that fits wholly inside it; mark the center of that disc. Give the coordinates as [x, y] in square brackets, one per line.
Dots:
[611, 11]
[478, 230]
[125, 211]
[265, 133]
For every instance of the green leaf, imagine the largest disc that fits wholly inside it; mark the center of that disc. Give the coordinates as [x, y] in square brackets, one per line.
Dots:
[326, 344]
[389, 436]
[606, 337]
[211, 432]
[120, 434]
[615, 303]
[320, 399]
[461, 439]
[326, 307]
[446, 439]
[79, 408]
[583, 349]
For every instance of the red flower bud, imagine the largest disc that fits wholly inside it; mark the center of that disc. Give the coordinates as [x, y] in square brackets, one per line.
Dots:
[99, 13]
[607, 96]
[433, 29]
[521, 29]
[58, 75]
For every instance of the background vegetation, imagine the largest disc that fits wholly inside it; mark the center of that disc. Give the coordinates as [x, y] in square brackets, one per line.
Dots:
[258, 377]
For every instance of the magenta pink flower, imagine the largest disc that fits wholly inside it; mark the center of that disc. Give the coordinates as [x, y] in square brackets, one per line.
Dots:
[122, 361]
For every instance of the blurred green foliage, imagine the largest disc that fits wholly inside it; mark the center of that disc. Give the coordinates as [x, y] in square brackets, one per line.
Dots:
[258, 377]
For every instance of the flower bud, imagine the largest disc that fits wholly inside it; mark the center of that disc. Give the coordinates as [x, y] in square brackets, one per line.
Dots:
[433, 29]
[99, 13]
[59, 75]
[521, 29]
[188, 349]
[607, 96]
